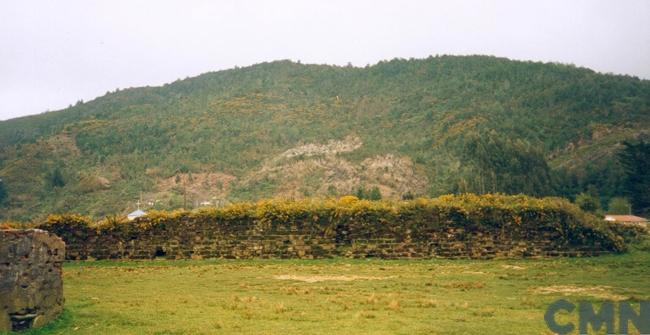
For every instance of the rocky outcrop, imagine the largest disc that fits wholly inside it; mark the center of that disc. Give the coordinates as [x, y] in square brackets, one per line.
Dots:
[321, 170]
[31, 287]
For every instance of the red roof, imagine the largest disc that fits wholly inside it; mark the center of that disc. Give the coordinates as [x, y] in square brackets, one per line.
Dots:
[625, 218]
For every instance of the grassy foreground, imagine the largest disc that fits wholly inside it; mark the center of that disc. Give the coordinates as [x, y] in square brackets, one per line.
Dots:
[338, 296]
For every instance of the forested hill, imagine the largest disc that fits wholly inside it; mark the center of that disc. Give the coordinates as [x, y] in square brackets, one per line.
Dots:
[402, 127]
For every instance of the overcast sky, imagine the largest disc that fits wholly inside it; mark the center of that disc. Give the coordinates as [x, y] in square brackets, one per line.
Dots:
[53, 53]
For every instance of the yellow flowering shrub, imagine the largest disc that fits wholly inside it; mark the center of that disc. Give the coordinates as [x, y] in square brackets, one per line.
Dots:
[348, 217]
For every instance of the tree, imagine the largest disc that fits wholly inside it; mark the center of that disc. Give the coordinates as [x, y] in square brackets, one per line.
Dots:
[331, 190]
[496, 163]
[361, 194]
[4, 195]
[588, 202]
[374, 194]
[55, 178]
[635, 159]
[408, 196]
[618, 205]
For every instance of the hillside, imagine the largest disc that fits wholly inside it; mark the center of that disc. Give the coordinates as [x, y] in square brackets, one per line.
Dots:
[426, 127]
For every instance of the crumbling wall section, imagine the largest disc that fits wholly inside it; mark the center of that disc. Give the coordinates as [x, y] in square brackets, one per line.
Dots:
[31, 287]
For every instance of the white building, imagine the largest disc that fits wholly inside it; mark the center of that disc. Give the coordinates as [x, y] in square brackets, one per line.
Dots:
[136, 214]
[625, 219]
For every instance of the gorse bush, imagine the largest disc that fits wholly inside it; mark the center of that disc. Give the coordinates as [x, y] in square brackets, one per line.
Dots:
[349, 218]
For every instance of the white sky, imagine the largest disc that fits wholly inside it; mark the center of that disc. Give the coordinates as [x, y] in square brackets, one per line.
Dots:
[53, 53]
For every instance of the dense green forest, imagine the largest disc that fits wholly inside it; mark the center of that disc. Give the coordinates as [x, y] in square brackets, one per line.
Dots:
[400, 128]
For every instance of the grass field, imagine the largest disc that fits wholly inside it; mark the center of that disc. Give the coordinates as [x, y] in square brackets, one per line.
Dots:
[338, 296]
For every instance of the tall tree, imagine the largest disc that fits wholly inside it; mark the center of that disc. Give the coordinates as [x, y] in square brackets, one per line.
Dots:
[4, 194]
[55, 178]
[618, 205]
[588, 202]
[374, 194]
[635, 158]
[361, 193]
[497, 163]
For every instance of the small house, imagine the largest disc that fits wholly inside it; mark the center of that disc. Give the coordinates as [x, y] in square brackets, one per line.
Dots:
[631, 220]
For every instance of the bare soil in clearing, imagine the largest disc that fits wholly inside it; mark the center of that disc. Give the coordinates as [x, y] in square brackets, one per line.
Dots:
[513, 267]
[602, 292]
[321, 278]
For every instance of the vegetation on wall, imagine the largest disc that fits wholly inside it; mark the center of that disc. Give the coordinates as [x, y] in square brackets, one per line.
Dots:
[347, 218]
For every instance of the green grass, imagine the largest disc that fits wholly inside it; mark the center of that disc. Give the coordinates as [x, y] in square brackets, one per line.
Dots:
[387, 297]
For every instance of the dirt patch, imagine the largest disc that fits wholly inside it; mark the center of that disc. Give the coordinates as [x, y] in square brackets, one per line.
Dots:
[197, 181]
[320, 278]
[317, 169]
[602, 292]
[63, 144]
[513, 267]
[199, 186]
[464, 286]
[332, 147]
[474, 272]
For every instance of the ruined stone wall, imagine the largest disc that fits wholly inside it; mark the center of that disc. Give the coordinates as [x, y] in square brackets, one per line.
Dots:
[31, 289]
[429, 232]
[199, 243]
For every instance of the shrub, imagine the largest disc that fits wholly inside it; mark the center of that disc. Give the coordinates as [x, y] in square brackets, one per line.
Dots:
[348, 218]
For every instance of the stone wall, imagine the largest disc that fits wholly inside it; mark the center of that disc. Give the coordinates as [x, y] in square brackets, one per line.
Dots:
[197, 237]
[31, 290]
[453, 226]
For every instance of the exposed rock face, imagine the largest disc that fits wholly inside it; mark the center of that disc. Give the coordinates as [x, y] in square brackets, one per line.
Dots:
[320, 170]
[31, 289]
[333, 147]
